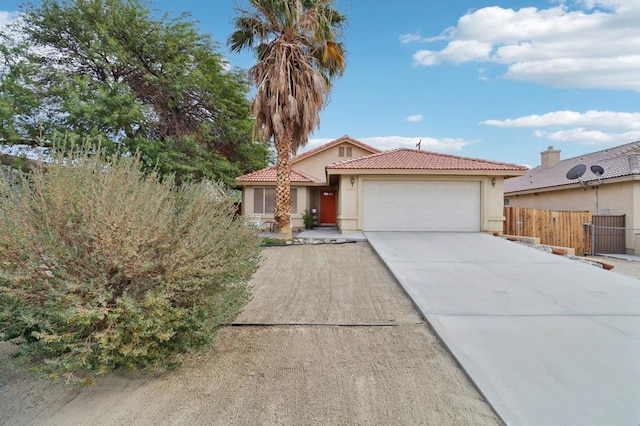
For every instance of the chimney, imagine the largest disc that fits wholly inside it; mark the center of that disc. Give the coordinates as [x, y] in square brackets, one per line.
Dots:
[550, 157]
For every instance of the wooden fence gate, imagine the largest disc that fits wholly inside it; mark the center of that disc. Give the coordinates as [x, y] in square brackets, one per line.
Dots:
[609, 235]
[555, 228]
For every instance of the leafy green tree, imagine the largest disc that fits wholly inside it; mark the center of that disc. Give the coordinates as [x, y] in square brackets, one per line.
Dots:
[297, 57]
[108, 68]
[105, 267]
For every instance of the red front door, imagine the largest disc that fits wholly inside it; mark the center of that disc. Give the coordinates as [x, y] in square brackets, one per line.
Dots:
[328, 206]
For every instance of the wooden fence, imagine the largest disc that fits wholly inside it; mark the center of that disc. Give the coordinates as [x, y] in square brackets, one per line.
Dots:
[555, 228]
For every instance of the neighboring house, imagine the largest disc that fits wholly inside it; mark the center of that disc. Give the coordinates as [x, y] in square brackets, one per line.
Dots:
[615, 192]
[398, 190]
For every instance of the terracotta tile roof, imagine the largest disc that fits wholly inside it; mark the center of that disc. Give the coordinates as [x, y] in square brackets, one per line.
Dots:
[270, 175]
[623, 160]
[333, 143]
[413, 159]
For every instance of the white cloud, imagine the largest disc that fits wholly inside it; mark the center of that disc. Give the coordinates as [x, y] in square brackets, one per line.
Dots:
[588, 128]
[590, 137]
[459, 51]
[607, 4]
[426, 58]
[427, 143]
[417, 38]
[591, 119]
[580, 43]
[392, 142]
[604, 73]
[414, 118]
[410, 38]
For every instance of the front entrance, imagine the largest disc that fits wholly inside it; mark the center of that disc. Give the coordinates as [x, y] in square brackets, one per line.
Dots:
[328, 206]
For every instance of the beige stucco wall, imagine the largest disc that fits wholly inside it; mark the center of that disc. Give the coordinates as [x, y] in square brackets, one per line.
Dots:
[493, 199]
[350, 198]
[302, 204]
[315, 164]
[348, 202]
[622, 198]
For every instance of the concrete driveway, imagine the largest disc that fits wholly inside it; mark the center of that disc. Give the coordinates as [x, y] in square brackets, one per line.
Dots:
[548, 340]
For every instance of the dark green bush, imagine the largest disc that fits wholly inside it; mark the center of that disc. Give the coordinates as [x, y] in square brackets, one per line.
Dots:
[103, 267]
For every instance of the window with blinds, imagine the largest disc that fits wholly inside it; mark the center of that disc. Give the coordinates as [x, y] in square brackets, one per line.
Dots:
[345, 151]
[264, 200]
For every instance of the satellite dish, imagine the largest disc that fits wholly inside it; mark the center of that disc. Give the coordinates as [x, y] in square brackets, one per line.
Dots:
[597, 170]
[576, 172]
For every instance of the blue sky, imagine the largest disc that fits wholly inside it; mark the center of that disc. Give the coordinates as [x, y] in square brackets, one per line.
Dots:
[500, 80]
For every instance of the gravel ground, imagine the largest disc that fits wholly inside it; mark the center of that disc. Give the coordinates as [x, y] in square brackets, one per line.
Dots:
[629, 268]
[328, 338]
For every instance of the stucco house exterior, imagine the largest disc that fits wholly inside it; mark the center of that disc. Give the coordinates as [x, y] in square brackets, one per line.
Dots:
[615, 192]
[359, 188]
[309, 187]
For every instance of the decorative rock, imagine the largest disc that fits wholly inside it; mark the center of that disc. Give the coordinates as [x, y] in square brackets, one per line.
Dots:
[603, 264]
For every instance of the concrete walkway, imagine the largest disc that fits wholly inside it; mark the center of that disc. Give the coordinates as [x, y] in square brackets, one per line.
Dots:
[547, 340]
[321, 233]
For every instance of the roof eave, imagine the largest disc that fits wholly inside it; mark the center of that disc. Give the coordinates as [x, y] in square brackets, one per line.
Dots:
[449, 172]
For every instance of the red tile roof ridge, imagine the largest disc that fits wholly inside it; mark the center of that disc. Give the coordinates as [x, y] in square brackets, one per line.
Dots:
[519, 166]
[417, 151]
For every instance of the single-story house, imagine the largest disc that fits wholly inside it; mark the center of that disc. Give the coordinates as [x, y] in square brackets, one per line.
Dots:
[605, 182]
[359, 188]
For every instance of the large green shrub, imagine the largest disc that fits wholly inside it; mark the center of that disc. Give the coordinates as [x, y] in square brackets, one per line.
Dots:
[103, 267]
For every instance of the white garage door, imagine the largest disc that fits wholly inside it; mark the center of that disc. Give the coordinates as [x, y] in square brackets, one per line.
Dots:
[421, 206]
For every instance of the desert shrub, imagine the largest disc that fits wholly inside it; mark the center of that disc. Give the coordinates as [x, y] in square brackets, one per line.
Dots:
[104, 267]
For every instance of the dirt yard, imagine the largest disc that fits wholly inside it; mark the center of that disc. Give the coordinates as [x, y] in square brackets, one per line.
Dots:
[329, 338]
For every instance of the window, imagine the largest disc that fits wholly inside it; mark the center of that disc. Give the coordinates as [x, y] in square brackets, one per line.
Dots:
[264, 200]
[345, 151]
[294, 200]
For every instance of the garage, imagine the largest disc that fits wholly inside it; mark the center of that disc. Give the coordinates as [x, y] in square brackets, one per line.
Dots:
[414, 205]
[412, 190]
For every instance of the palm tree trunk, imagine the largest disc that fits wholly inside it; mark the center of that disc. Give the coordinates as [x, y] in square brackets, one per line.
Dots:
[283, 186]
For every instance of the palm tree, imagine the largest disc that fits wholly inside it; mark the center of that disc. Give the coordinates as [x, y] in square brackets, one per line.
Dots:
[297, 58]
